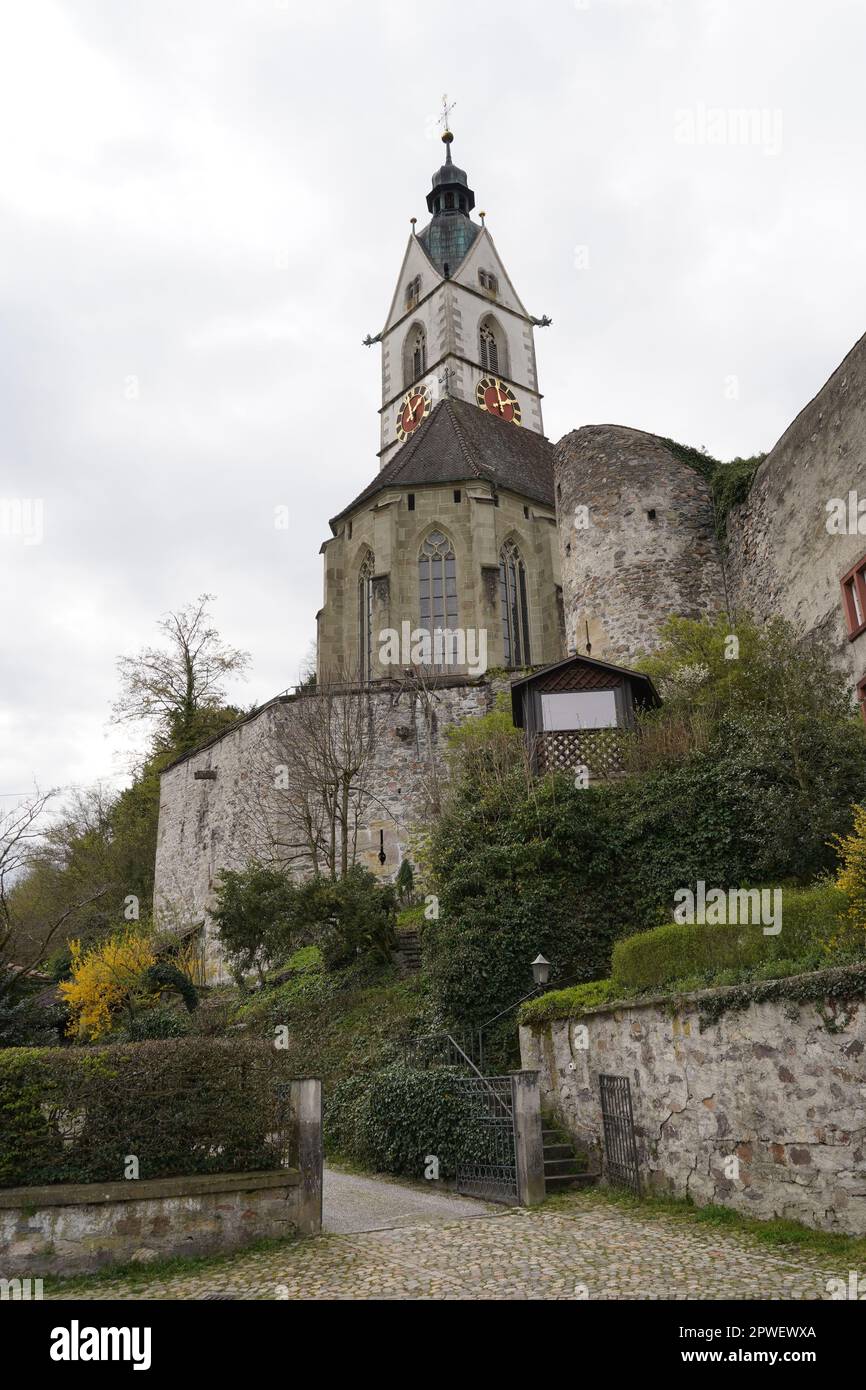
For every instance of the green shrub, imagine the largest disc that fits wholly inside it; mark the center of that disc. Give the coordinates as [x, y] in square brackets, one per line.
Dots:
[338, 1023]
[156, 1023]
[811, 925]
[29, 1017]
[186, 1105]
[543, 877]
[405, 882]
[58, 966]
[394, 1120]
[751, 778]
[352, 918]
[254, 915]
[165, 977]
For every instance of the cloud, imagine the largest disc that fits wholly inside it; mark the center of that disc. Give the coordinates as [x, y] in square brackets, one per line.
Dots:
[203, 209]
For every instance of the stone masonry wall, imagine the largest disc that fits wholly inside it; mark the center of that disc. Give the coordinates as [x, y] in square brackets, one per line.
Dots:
[477, 529]
[782, 1087]
[205, 824]
[649, 549]
[80, 1229]
[781, 557]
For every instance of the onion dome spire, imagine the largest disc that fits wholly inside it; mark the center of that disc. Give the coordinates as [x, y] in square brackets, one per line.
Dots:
[449, 235]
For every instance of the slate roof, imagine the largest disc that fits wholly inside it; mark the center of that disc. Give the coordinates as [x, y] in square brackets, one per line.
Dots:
[460, 443]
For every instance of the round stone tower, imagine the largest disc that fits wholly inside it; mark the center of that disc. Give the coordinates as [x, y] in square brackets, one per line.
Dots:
[637, 540]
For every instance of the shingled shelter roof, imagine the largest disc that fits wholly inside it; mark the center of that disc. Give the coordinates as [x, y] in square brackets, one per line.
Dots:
[460, 443]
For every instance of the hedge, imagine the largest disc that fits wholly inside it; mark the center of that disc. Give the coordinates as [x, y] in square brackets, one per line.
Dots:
[396, 1119]
[181, 1106]
[812, 928]
[816, 934]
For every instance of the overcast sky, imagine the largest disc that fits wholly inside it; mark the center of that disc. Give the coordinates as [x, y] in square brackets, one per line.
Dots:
[203, 210]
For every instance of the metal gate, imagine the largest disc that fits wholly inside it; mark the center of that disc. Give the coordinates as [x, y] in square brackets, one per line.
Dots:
[620, 1148]
[488, 1165]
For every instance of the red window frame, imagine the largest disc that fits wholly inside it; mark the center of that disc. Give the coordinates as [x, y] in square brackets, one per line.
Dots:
[853, 584]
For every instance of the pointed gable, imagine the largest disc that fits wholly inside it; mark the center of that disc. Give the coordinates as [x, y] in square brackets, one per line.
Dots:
[483, 255]
[415, 262]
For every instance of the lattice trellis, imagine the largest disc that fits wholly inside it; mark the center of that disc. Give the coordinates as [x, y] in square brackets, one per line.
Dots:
[564, 750]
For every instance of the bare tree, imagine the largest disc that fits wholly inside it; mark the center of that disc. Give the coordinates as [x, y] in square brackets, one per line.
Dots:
[22, 832]
[310, 781]
[171, 685]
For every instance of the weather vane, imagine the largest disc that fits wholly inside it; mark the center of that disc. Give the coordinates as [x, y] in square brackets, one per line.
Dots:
[446, 111]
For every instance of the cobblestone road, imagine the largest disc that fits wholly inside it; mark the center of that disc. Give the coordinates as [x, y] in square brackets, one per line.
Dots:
[585, 1249]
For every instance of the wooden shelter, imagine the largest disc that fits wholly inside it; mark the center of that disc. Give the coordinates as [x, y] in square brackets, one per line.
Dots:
[573, 713]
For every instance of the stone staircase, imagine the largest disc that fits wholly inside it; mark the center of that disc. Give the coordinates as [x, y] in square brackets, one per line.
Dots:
[408, 953]
[563, 1166]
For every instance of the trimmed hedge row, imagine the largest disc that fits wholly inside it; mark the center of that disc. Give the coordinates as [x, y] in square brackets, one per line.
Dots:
[816, 934]
[396, 1119]
[186, 1105]
[812, 925]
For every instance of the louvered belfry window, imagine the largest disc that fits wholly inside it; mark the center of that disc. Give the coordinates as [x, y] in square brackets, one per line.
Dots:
[437, 592]
[419, 354]
[489, 349]
[514, 606]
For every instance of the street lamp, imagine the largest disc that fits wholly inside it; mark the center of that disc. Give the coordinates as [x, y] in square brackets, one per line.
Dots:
[540, 970]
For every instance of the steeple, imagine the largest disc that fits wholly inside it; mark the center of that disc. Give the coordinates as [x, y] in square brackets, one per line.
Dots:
[449, 235]
[456, 329]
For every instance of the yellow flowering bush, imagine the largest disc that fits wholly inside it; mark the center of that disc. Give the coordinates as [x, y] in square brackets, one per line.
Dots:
[852, 875]
[104, 980]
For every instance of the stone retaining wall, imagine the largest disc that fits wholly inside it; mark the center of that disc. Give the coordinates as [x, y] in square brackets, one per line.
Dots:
[780, 1087]
[211, 802]
[77, 1229]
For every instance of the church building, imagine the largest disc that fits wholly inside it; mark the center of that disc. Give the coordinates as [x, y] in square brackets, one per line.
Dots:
[457, 532]
[510, 554]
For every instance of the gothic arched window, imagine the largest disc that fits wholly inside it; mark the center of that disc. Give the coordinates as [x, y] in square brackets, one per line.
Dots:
[492, 347]
[514, 606]
[365, 616]
[414, 354]
[437, 595]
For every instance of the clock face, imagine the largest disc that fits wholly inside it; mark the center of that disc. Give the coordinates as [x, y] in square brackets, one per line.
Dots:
[497, 398]
[414, 407]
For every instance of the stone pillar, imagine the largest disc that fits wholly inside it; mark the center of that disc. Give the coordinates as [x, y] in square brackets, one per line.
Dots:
[528, 1141]
[305, 1151]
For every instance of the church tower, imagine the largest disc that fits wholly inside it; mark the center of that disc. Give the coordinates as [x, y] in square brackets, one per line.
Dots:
[456, 326]
[456, 535]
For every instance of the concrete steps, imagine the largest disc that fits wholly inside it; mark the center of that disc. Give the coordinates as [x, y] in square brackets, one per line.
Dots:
[408, 953]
